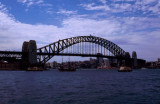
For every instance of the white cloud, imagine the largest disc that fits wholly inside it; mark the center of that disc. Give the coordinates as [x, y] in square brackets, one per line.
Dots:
[132, 34]
[93, 6]
[123, 0]
[3, 8]
[66, 12]
[22, 1]
[148, 1]
[150, 7]
[29, 3]
[83, 26]
[39, 1]
[103, 1]
[16, 32]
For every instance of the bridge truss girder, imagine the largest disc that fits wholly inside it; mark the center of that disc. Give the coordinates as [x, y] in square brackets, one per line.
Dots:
[10, 56]
[55, 48]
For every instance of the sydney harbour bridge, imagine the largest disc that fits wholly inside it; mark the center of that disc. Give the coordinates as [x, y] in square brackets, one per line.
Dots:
[86, 46]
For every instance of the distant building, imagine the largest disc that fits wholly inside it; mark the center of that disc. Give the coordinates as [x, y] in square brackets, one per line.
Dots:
[99, 59]
[151, 65]
[141, 63]
[47, 64]
[134, 57]
[106, 63]
[113, 62]
[158, 60]
[93, 63]
[53, 64]
[158, 63]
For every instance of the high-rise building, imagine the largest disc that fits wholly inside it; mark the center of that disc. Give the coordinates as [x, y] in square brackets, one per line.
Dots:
[159, 60]
[158, 64]
[134, 57]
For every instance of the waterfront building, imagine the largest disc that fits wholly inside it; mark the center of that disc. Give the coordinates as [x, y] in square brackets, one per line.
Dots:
[99, 59]
[158, 63]
[134, 57]
[113, 62]
[106, 63]
[53, 64]
[158, 60]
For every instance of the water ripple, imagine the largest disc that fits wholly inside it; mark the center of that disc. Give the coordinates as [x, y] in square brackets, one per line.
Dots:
[80, 87]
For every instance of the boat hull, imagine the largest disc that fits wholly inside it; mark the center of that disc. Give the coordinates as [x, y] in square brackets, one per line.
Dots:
[35, 69]
[125, 69]
[66, 69]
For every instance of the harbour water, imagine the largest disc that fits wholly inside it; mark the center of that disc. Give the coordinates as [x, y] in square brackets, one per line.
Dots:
[80, 87]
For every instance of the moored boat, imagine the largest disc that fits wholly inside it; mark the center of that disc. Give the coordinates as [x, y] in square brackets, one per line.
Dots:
[35, 69]
[66, 68]
[125, 69]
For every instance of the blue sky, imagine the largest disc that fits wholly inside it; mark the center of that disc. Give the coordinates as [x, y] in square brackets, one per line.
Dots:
[131, 24]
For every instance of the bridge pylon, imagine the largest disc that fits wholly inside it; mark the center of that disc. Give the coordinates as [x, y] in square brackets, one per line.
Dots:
[29, 54]
[128, 61]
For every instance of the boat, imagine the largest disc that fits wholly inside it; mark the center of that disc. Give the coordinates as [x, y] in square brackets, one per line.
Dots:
[35, 69]
[67, 67]
[125, 69]
[62, 68]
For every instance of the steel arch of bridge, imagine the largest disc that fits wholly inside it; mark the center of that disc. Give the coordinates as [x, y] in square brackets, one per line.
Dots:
[55, 48]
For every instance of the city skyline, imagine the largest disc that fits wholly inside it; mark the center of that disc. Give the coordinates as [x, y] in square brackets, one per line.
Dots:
[131, 24]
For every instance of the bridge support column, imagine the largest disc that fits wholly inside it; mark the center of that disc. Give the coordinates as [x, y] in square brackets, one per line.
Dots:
[32, 49]
[25, 55]
[128, 61]
[29, 56]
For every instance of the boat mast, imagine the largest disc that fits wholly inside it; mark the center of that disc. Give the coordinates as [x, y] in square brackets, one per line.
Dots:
[62, 57]
[69, 62]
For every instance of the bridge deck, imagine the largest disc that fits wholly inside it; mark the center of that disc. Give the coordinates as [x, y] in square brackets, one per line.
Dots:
[19, 54]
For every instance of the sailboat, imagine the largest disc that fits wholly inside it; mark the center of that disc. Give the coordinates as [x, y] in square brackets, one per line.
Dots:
[69, 67]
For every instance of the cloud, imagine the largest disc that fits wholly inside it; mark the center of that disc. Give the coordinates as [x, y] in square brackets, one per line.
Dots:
[39, 3]
[30, 3]
[16, 32]
[144, 7]
[26, 2]
[139, 34]
[103, 1]
[84, 26]
[3, 8]
[93, 6]
[22, 1]
[66, 12]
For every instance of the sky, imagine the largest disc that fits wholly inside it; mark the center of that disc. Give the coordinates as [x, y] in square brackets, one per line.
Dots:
[134, 25]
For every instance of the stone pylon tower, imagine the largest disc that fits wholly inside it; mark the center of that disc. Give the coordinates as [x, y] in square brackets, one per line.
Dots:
[128, 59]
[32, 48]
[25, 53]
[29, 56]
